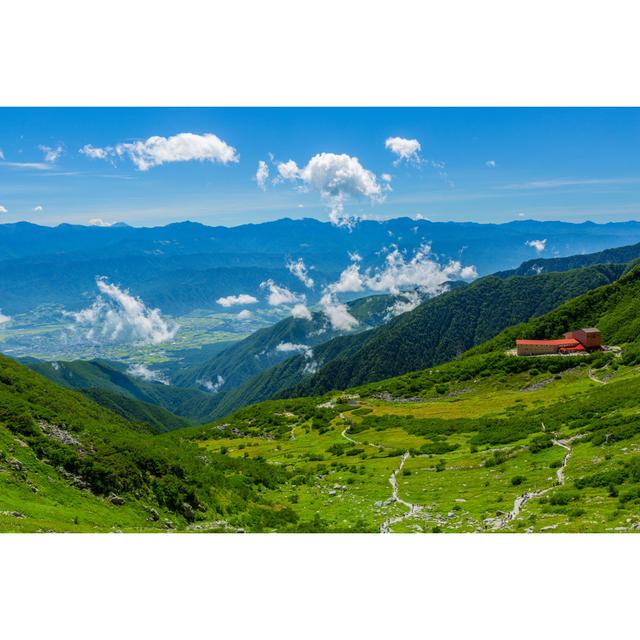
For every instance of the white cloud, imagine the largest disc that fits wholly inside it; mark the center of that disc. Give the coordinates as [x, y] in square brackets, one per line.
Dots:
[245, 314]
[468, 273]
[337, 313]
[301, 311]
[386, 177]
[3, 209]
[1, 154]
[406, 301]
[262, 174]
[288, 170]
[158, 150]
[404, 148]
[491, 164]
[51, 154]
[96, 152]
[398, 272]
[280, 295]
[37, 166]
[4, 319]
[230, 301]
[143, 372]
[99, 222]
[211, 386]
[300, 271]
[350, 280]
[38, 208]
[120, 317]
[336, 177]
[538, 245]
[290, 347]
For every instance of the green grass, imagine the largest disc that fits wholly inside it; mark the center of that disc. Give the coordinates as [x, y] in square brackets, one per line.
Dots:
[463, 489]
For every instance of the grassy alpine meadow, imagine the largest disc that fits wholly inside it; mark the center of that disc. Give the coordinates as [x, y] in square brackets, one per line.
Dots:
[534, 451]
[488, 443]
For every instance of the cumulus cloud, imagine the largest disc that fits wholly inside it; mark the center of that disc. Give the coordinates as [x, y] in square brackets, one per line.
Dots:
[301, 311]
[398, 272]
[262, 174]
[230, 301]
[3, 209]
[51, 154]
[158, 150]
[300, 271]
[118, 317]
[491, 164]
[146, 374]
[350, 281]
[210, 385]
[538, 245]
[280, 295]
[244, 314]
[337, 178]
[4, 319]
[337, 313]
[404, 148]
[99, 222]
[37, 208]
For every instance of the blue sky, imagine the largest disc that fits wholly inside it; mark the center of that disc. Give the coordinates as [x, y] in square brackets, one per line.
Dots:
[484, 165]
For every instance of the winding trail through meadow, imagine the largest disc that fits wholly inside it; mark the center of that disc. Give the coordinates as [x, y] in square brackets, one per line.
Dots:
[519, 503]
[393, 481]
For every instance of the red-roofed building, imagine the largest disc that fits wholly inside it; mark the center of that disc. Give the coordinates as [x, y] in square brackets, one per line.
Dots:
[544, 347]
[573, 342]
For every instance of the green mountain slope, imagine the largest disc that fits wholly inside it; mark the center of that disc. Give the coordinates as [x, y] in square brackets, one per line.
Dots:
[438, 330]
[67, 464]
[487, 442]
[163, 406]
[616, 255]
[614, 309]
[259, 351]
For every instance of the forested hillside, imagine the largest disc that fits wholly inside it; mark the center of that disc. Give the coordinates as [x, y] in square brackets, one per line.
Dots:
[271, 345]
[614, 309]
[162, 406]
[437, 331]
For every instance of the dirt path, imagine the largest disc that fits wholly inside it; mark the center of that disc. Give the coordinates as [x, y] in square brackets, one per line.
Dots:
[393, 481]
[385, 527]
[346, 437]
[593, 377]
[521, 501]
[350, 439]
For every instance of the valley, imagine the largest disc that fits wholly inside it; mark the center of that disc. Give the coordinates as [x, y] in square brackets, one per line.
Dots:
[383, 413]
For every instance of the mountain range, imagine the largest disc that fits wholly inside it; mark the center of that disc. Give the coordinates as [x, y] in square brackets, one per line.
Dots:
[486, 441]
[185, 266]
